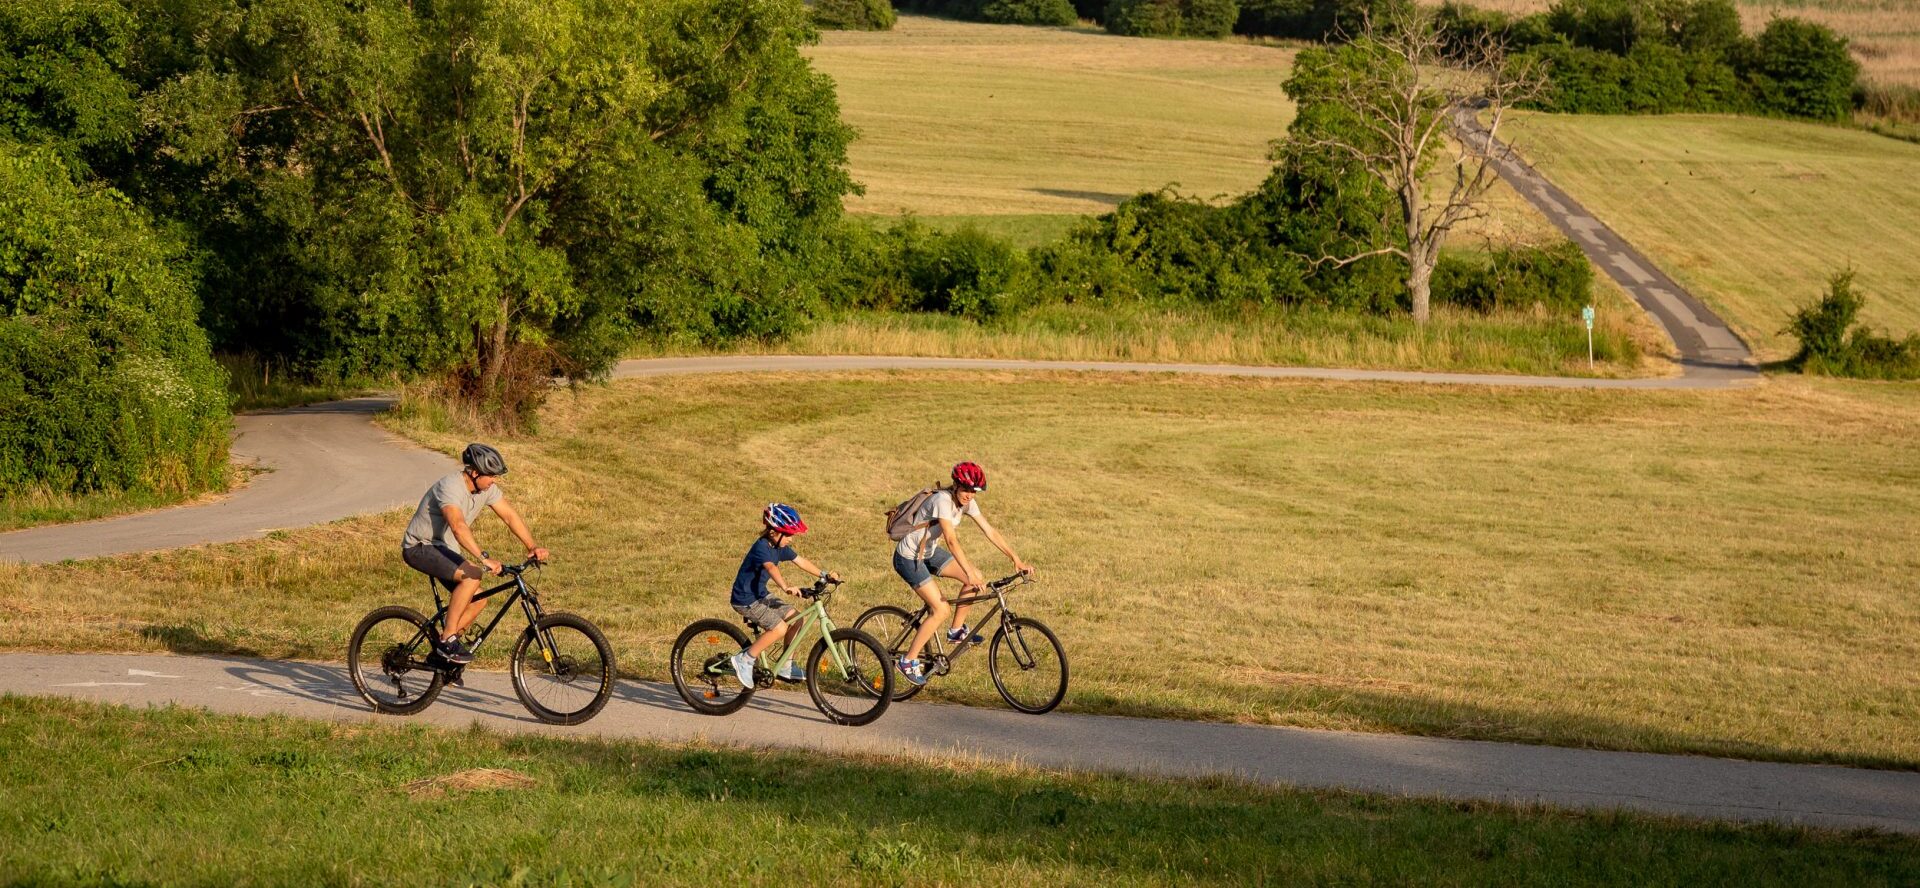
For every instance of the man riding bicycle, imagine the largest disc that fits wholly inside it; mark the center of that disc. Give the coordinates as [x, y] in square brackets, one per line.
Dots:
[933, 549]
[441, 530]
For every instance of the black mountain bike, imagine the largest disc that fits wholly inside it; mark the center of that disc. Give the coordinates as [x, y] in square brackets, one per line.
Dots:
[1028, 665]
[562, 665]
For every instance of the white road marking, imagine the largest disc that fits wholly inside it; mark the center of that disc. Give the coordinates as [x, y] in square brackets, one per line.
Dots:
[152, 674]
[102, 684]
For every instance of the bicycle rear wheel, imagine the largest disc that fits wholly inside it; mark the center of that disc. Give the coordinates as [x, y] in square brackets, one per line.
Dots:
[700, 669]
[855, 688]
[387, 660]
[569, 682]
[1028, 665]
[893, 627]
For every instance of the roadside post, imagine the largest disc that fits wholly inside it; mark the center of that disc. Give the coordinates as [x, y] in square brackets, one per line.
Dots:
[1586, 314]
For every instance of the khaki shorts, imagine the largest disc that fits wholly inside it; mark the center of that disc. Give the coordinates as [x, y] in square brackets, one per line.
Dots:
[766, 613]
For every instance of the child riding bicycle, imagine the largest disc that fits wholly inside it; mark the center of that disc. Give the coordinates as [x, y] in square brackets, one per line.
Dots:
[751, 599]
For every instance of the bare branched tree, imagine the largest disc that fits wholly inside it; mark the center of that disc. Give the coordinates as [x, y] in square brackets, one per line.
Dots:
[1403, 98]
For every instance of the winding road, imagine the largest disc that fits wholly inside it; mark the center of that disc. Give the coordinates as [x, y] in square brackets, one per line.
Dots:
[327, 462]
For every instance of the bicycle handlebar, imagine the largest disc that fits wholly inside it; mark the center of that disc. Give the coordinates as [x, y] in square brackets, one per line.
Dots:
[1019, 579]
[514, 570]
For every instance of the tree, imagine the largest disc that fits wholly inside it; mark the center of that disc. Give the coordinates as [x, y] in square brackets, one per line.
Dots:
[1383, 106]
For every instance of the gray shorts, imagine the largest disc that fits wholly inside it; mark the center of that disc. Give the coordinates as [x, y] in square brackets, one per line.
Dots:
[766, 613]
[441, 563]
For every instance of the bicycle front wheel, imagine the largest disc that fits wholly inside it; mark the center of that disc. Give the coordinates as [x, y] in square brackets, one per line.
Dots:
[563, 669]
[1028, 665]
[701, 671]
[893, 627]
[854, 687]
[387, 661]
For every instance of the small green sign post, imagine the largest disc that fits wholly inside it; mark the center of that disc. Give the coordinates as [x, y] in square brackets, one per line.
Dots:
[1586, 314]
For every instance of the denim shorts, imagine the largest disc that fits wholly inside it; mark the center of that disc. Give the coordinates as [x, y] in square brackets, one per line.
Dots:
[916, 571]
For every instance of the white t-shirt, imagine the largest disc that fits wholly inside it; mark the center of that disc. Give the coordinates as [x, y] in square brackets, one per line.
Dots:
[921, 543]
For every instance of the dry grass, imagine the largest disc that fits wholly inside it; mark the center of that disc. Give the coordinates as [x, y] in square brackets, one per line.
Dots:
[1724, 573]
[1885, 34]
[1750, 214]
[970, 119]
[468, 781]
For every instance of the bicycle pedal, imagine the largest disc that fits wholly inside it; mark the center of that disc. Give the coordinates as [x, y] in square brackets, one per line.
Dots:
[457, 677]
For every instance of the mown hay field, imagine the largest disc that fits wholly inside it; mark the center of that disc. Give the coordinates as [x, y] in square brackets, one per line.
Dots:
[1726, 573]
[1752, 215]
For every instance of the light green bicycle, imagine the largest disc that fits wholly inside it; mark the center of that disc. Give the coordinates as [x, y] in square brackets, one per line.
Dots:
[848, 680]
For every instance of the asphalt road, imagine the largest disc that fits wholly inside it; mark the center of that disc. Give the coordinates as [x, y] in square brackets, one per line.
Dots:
[317, 464]
[1689, 786]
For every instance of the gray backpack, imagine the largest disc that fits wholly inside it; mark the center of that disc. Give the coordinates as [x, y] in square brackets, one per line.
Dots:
[900, 518]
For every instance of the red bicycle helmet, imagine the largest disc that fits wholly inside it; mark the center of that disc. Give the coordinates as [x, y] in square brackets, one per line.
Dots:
[969, 476]
[783, 518]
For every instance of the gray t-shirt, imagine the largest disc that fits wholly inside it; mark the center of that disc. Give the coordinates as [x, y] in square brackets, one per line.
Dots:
[429, 524]
[921, 543]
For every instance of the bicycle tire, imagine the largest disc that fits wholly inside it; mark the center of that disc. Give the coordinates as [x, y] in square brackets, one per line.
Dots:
[1021, 649]
[714, 634]
[867, 678]
[893, 628]
[566, 669]
[392, 654]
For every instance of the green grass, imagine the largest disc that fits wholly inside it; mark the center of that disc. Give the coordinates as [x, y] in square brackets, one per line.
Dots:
[1514, 342]
[34, 507]
[1725, 573]
[972, 119]
[253, 384]
[99, 795]
[1750, 214]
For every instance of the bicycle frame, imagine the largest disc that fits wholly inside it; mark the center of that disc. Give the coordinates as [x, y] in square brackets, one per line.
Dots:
[996, 592]
[812, 617]
[523, 593]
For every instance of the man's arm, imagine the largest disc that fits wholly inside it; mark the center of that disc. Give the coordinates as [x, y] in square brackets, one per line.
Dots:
[464, 534]
[519, 528]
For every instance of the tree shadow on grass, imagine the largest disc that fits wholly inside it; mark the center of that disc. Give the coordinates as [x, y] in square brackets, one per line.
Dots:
[1201, 831]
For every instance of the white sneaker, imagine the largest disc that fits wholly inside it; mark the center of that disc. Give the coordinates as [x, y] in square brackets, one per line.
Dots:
[743, 668]
[792, 672]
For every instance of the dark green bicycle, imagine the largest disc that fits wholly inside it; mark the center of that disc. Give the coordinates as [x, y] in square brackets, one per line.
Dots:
[1026, 661]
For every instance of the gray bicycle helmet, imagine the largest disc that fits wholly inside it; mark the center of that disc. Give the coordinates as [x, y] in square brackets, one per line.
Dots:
[484, 459]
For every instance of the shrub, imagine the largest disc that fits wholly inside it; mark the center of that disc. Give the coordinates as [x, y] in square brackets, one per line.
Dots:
[1092, 10]
[911, 267]
[1556, 278]
[1172, 18]
[1314, 19]
[1030, 12]
[1801, 69]
[854, 15]
[106, 382]
[1830, 344]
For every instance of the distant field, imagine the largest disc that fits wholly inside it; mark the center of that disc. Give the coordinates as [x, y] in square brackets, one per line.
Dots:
[966, 118]
[1722, 572]
[1751, 214]
[1885, 34]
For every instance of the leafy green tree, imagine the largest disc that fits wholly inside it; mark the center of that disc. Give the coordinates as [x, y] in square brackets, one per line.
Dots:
[1802, 69]
[106, 383]
[1172, 18]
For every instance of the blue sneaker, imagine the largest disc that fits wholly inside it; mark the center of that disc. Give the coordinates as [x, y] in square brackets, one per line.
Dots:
[911, 670]
[961, 634]
[452, 651]
[743, 668]
[791, 672]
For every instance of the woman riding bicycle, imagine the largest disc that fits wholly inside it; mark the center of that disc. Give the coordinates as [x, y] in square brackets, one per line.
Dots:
[933, 549]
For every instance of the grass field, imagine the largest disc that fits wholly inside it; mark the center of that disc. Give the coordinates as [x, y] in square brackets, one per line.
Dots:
[1722, 573]
[1750, 214]
[1626, 343]
[98, 795]
[969, 119]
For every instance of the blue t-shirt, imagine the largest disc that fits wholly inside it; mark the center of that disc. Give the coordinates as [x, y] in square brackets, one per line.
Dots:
[750, 584]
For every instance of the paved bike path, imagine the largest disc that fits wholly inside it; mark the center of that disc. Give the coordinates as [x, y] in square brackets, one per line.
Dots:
[1707, 345]
[318, 463]
[1689, 786]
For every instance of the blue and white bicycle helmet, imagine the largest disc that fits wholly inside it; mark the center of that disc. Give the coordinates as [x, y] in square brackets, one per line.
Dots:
[783, 518]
